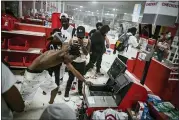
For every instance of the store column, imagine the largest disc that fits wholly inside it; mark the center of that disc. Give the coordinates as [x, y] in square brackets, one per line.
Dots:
[102, 14]
[58, 6]
[20, 9]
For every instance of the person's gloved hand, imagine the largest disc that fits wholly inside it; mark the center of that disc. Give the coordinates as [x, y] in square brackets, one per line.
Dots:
[114, 52]
[74, 50]
[89, 83]
[107, 45]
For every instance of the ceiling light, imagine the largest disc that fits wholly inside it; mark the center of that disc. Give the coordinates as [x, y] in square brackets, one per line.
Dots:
[125, 13]
[89, 11]
[114, 9]
[97, 13]
[97, 10]
[94, 2]
[107, 11]
[81, 6]
[76, 8]
[80, 10]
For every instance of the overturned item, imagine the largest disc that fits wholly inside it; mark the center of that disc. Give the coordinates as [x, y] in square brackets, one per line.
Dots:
[120, 92]
[109, 114]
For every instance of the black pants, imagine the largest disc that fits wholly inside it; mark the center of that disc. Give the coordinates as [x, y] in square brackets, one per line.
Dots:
[94, 58]
[56, 70]
[81, 68]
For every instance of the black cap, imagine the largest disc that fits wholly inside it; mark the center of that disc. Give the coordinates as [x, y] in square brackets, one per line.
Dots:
[80, 32]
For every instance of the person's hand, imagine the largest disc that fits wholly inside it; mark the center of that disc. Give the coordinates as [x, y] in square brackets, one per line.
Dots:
[107, 45]
[89, 83]
[80, 41]
[67, 59]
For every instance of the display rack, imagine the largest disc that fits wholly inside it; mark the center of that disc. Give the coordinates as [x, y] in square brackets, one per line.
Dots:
[23, 44]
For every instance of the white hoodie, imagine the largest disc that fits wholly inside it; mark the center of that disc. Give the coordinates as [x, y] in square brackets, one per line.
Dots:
[131, 50]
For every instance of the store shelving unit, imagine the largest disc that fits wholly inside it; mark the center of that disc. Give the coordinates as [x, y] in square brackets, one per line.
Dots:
[23, 44]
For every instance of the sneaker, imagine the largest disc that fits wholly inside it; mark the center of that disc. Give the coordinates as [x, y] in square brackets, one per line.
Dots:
[66, 99]
[86, 77]
[81, 96]
[99, 74]
[44, 93]
[59, 92]
[61, 80]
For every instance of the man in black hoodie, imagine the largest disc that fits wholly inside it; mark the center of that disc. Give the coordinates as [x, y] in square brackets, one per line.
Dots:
[97, 48]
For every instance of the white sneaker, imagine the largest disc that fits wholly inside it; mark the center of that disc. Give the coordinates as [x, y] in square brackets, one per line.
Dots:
[67, 99]
[86, 77]
[81, 97]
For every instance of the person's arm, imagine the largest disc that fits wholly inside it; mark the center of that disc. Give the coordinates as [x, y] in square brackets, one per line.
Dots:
[107, 42]
[75, 72]
[133, 41]
[162, 46]
[14, 100]
[86, 49]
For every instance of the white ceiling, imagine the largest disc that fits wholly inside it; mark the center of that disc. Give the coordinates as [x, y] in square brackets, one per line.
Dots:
[122, 7]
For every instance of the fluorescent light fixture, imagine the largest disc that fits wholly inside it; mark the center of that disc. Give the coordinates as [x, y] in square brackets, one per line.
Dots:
[89, 11]
[81, 6]
[76, 8]
[125, 13]
[94, 2]
[97, 13]
[114, 9]
[80, 10]
[97, 10]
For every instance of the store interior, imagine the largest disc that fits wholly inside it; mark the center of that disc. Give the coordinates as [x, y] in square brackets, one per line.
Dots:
[139, 80]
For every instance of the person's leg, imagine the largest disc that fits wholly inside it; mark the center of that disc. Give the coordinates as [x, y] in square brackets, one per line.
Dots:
[82, 71]
[57, 78]
[91, 63]
[50, 71]
[49, 85]
[53, 95]
[69, 83]
[98, 63]
[57, 74]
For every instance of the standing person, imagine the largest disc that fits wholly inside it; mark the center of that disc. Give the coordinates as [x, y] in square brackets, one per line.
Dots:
[80, 62]
[97, 48]
[11, 99]
[163, 48]
[98, 27]
[130, 51]
[68, 31]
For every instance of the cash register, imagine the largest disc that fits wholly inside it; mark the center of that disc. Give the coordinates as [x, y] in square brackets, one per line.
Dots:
[120, 92]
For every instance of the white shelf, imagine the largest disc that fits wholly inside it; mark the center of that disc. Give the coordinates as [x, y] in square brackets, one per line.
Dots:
[32, 25]
[173, 79]
[23, 32]
[35, 20]
[18, 67]
[30, 50]
[174, 73]
[174, 67]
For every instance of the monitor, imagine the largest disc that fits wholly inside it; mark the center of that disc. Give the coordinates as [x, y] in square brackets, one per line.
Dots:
[116, 69]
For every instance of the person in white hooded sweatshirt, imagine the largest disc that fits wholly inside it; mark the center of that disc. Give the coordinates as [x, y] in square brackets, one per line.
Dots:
[130, 51]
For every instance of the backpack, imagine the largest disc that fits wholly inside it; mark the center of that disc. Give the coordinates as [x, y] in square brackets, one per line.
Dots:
[122, 42]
